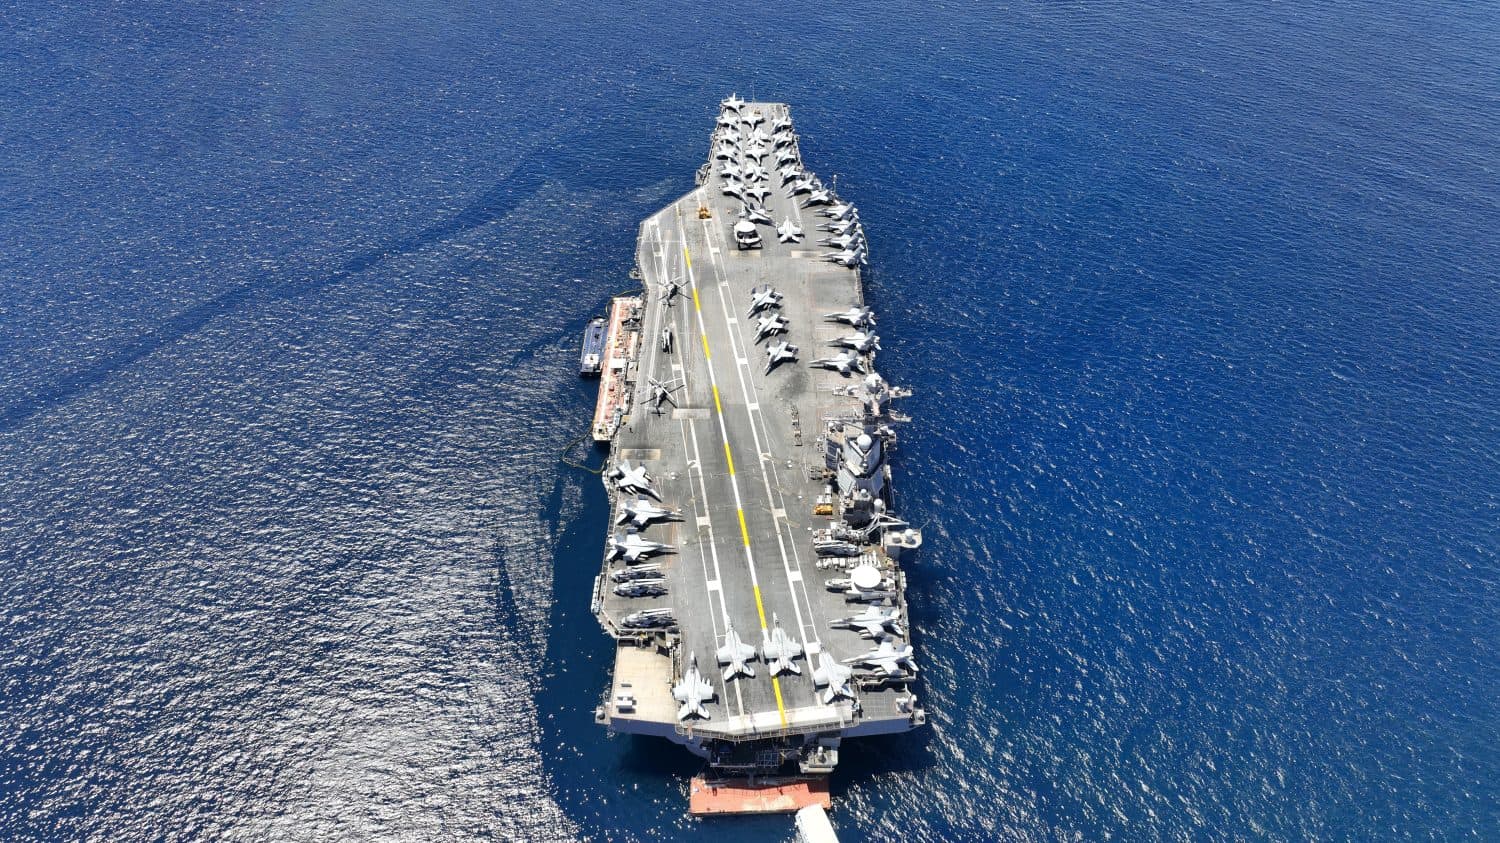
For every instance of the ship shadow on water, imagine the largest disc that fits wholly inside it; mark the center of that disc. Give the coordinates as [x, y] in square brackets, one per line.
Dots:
[560, 160]
[659, 758]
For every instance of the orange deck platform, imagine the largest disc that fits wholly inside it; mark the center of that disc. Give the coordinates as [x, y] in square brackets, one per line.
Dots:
[739, 796]
[614, 379]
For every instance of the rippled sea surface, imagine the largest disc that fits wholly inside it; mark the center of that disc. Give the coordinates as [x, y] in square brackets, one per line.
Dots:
[1200, 306]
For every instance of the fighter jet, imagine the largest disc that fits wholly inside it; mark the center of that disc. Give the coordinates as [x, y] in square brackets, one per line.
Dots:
[649, 619]
[733, 188]
[730, 136]
[634, 481]
[887, 659]
[641, 513]
[822, 196]
[642, 588]
[692, 692]
[764, 299]
[732, 103]
[781, 124]
[779, 353]
[760, 192]
[857, 317]
[725, 151]
[844, 363]
[755, 214]
[789, 174]
[873, 622]
[848, 257]
[840, 211]
[787, 156]
[759, 136]
[807, 184]
[842, 226]
[639, 572]
[770, 326]
[779, 649]
[755, 172]
[634, 548]
[835, 676]
[789, 231]
[844, 241]
[783, 139]
[754, 118]
[727, 119]
[735, 653]
[756, 151]
[731, 171]
[859, 341]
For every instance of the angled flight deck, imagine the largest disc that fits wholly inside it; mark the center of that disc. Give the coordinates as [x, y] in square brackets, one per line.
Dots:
[752, 573]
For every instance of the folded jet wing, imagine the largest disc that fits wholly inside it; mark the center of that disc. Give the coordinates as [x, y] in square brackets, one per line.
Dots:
[736, 653]
[844, 363]
[789, 231]
[835, 677]
[873, 622]
[779, 649]
[848, 257]
[779, 353]
[634, 547]
[859, 341]
[843, 226]
[692, 691]
[770, 326]
[633, 480]
[848, 240]
[857, 317]
[763, 299]
[840, 211]
[807, 184]
[887, 659]
[642, 513]
[822, 196]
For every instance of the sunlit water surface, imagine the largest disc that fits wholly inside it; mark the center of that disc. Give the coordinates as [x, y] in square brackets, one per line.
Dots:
[1199, 307]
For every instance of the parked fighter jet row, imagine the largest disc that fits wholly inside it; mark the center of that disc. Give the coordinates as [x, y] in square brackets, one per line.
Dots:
[632, 548]
[742, 145]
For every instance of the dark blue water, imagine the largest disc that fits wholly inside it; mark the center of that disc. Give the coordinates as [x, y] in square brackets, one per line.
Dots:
[1200, 306]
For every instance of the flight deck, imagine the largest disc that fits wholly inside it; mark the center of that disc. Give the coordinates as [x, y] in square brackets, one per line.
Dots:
[753, 574]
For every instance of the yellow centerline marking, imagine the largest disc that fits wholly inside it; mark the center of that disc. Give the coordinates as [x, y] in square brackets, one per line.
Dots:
[760, 608]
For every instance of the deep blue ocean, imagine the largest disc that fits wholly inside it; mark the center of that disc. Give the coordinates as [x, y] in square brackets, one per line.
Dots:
[1200, 302]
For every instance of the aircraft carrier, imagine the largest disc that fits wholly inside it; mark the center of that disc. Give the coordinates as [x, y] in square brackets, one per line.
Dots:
[752, 577]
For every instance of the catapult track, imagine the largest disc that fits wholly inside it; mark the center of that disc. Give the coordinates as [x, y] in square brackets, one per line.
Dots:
[777, 478]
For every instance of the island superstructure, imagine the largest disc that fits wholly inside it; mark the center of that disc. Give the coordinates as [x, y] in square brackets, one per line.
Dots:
[753, 575]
